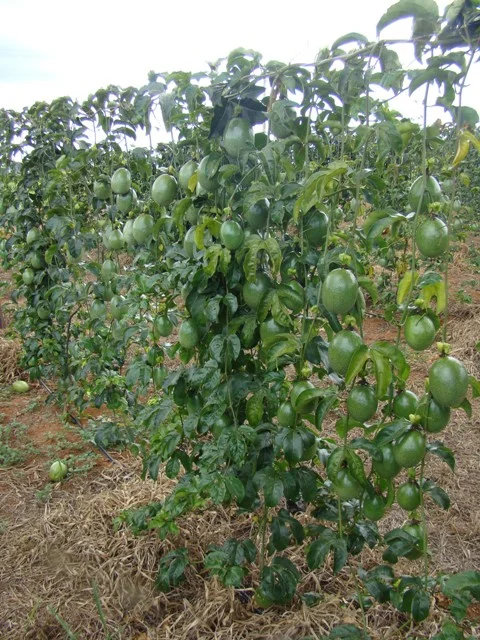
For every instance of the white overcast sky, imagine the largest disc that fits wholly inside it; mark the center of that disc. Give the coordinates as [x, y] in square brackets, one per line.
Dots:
[50, 48]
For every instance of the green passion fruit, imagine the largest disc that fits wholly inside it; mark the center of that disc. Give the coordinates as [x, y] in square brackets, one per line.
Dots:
[256, 215]
[142, 228]
[20, 386]
[423, 192]
[164, 190]
[101, 188]
[118, 307]
[410, 449]
[315, 225]
[28, 275]
[374, 507]
[186, 172]
[341, 349]
[116, 240]
[58, 471]
[448, 381]
[121, 181]
[339, 291]
[286, 415]
[237, 137]
[232, 235]
[433, 416]
[299, 404]
[408, 496]
[386, 466]
[207, 178]
[33, 235]
[188, 335]
[405, 404]
[126, 202]
[432, 238]
[419, 332]
[346, 486]
[162, 327]
[253, 292]
[362, 402]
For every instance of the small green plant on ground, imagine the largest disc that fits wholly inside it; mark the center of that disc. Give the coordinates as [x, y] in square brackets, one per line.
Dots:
[14, 444]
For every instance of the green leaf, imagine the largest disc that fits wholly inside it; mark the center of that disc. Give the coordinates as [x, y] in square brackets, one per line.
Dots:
[355, 466]
[307, 396]
[171, 570]
[279, 581]
[216, 348]
[213, 308]
[279, 311]
[50, 253]
[323, 407]
[388, 139]
[335, 462]
[420, 605]
[466, 115]
[233, 576]
[348, 632]
[438, 495]
[340, 554]
[391, 432]
[433, 74]
[357, 363]
[285, 346]
[345, 424]
[251, 260]
[212, 256]
[179, 211]
[235, 487]
[274, 253]
[467, 407]
[435, 290]
[393, 353]
[417, 9]
[462, 588]
[292, 445]
[318, 551]
[383, 373]
[369, 287]
[234, 345]
[450, 631]
[475, 385]
[231, 302]
[349, 37]
[273, 491]
[438, 449]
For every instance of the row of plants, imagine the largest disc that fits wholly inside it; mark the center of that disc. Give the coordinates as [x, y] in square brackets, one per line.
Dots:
[212, 291]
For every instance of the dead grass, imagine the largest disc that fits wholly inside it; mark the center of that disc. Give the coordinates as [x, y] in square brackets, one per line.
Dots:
[9, 355]
[53, 554]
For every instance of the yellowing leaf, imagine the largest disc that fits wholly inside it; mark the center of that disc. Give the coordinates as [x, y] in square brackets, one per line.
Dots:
[405, 285]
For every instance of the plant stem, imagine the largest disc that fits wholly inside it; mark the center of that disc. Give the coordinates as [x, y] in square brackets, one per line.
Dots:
[413, 262]
[263, 536]
[424, 526]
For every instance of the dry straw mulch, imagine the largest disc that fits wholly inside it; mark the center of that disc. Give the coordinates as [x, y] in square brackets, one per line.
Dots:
[9, 355]
[53, 554]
